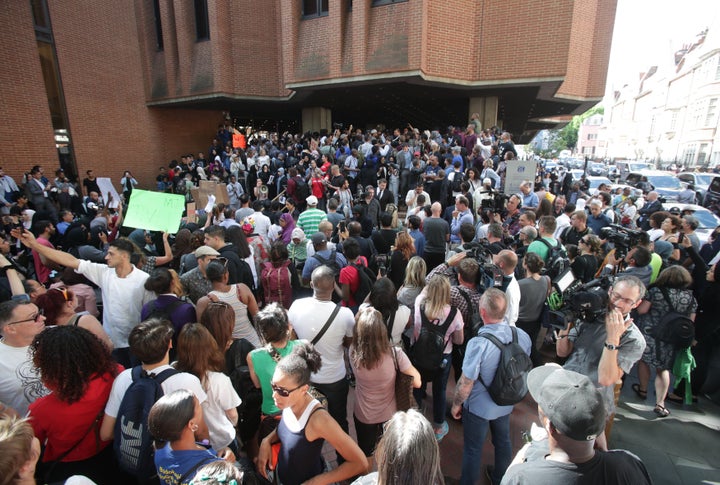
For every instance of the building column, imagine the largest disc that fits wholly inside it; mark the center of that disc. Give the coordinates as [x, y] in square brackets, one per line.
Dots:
[487, 108]
[316, 119]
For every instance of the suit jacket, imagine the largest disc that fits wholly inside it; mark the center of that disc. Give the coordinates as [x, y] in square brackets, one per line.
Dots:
[34, 192]
[387, 198]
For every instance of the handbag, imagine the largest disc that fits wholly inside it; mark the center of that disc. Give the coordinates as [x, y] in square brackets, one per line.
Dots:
[404, 398]
[545, 311]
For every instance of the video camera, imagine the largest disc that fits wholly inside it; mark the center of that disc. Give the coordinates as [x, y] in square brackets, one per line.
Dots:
[494, 203]
[587, 302]
[622, 237]
[489, 275]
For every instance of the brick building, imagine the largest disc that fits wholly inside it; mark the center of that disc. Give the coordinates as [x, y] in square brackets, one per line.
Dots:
[130, 85]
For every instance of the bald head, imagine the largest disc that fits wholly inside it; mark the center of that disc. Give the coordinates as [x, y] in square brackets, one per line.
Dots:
[506, 260]
[436, 209]
[323, 280]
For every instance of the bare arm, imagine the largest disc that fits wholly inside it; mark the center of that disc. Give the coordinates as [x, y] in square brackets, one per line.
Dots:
[232, 415]
[16, 287]
[59, 257]
[161, 260]
[249, 299]
[563, 346]
[89, 322]
[609, 372]
[253, 375]
[322, 425]
[462, 392]
[107, 429]
[412, 371]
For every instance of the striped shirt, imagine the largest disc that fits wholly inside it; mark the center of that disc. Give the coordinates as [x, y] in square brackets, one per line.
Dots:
[309, 221]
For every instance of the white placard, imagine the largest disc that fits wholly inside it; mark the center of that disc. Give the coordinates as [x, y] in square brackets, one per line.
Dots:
[107, 187]
[210, 204]
[517, 172]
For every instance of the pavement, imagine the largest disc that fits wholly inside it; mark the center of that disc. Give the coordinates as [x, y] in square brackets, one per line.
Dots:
[681, 449]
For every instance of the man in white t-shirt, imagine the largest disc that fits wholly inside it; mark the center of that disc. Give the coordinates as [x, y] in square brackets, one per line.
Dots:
[122, 285]
[150, 342]
[308, 317]
[20, 384]
[262, 222]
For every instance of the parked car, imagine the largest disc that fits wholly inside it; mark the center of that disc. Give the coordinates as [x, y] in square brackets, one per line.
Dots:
[708, 221]
[712, 196]
[594, 182]
[701, 181]
[597, 169]
[626, 166]
[666, 184]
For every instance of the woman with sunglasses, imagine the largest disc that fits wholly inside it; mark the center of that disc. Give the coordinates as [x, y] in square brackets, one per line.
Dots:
[585, 265]
[304, 427]
[79, 370]
[59, 304]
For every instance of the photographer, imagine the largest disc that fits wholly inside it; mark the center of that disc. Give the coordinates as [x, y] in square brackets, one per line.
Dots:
[484, 196]
[637, 263]
[604, 352]
[511, 218]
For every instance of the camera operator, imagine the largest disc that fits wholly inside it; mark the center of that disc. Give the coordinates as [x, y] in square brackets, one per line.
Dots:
[636, 263]
[484, 193]
[463, 272]
[526, 237]
[604, 352]
[495, 238]
[510, 219]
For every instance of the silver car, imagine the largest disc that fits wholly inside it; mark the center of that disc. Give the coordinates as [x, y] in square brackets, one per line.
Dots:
[701, 181]
[708, 221]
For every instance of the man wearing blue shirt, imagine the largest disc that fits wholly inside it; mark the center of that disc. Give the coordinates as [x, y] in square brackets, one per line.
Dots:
[460, 215]
[530, 198]
[472, 401]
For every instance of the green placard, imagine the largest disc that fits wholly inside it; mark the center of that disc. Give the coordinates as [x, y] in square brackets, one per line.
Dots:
[155, 211]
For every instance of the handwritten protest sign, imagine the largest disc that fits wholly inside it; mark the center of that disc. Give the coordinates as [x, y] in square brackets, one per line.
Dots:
[155, 211]
[106, 187]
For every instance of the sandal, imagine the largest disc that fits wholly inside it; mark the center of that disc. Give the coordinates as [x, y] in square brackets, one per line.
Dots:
[640, 393]
[661, 411]
[674, 399]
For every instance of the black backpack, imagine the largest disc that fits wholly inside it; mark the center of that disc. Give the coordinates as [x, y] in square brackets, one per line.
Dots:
[509, 386]
[238, 370]
[475, 322]
[458, 178]
[426, 354]
[557, 260]
[302, 190]
[367, 279]
[133, 443]
[330, 262]
[674, 328]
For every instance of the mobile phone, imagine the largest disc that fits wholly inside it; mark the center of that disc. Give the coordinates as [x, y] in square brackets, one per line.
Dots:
[682, 236]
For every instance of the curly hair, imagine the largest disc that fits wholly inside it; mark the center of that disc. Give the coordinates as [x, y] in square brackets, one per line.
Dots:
[370, 339]
[405, 244]
[68, 358]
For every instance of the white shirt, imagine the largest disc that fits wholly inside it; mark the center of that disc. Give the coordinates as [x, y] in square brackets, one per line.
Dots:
[181, 380]
[262, 223]
[308, 316]
[20, 382]
[221, 396]
[513, 302]
[411, 197]
[562, 221]
[123, 299]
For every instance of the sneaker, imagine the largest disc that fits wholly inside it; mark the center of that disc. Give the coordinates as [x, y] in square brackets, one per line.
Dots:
[442, 431]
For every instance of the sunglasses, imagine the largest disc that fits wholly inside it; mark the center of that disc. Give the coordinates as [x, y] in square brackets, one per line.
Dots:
[223, 261]
[64, 292]
[282, 391]
[33, 318]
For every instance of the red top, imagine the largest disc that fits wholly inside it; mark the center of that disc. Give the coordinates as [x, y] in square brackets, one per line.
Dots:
[62, 424]
[349, 275]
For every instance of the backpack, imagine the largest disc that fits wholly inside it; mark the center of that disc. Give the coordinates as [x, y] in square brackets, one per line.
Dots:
[302, 190]
[509, 386]
[238, 371]
[475, 322]
[276, 283]
[557, 260]
[133, 443]
[674, 328]
[367, 279]
[330, 262]
[165, 312]
[426, 354]
[458, 178]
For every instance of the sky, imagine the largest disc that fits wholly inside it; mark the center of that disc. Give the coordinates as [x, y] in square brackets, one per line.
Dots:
[646, 31]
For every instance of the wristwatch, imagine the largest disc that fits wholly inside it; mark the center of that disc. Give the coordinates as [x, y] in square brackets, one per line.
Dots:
[611, 346]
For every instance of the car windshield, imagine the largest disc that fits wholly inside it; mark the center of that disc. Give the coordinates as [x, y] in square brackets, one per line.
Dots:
[664, 182]
[595, 182]
[706, 219]
[704, 179]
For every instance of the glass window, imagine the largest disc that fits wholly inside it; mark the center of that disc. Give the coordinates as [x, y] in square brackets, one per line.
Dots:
[315, 8]
[202, 24]
[386, 2]
[158, 25]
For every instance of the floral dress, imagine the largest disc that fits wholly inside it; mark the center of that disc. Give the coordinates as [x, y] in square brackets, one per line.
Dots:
[657, 354]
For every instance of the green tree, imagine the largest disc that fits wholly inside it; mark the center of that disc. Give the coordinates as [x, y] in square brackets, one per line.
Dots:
[567, 136]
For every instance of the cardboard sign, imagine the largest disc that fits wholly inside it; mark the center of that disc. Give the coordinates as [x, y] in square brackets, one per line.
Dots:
[107, 187]
[155, 211]
[207, 188]
[518, 171]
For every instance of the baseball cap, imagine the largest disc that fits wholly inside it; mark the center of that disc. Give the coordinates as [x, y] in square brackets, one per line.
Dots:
[312, 200]
[205, 251]
[318, 238]
[570, 400]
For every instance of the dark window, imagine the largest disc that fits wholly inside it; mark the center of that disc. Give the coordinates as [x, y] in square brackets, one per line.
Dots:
[376, 3]
[158, 25]
[202, 25]
[315, 8]
[41, 20]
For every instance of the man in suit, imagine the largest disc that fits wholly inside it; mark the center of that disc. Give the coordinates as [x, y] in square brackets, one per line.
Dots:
[37, 192]
[652, 205]
[384, 196]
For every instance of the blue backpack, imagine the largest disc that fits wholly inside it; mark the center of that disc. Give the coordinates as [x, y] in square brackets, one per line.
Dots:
[133, 443]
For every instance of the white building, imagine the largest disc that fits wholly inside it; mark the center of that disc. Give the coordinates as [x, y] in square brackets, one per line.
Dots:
[670, 114]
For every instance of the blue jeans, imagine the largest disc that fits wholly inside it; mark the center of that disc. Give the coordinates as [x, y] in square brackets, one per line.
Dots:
[474, 432]
[439, 388]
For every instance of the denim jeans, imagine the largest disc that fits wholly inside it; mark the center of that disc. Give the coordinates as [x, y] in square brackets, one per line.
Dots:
[439, 388]
[474, 432]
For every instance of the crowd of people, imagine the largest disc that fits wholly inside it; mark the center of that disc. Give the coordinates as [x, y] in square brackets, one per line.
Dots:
[342, 260]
